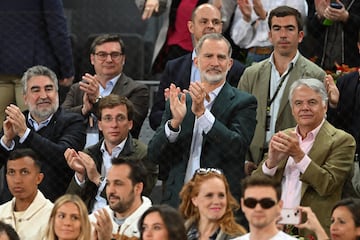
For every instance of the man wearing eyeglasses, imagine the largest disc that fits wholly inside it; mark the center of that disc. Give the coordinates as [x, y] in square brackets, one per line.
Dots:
[261, 202]
[108, 58]
[92, 164]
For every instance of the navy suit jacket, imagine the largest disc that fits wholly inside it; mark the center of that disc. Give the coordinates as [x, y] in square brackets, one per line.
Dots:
[34, 33]
[65, 130]
[224, 146]
[178, 71]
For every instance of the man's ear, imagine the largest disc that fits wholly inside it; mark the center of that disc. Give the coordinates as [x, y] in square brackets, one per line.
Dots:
[190, 26]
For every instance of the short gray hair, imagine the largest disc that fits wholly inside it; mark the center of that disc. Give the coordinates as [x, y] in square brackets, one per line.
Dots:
[313, 83]
[38, 70]
[212, 36]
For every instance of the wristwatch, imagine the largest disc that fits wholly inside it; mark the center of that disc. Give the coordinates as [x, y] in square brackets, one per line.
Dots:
[98, 99]
[171, 128]
[101, 179]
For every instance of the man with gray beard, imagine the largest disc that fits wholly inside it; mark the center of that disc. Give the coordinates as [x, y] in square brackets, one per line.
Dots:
[45, 128]
[210, 125]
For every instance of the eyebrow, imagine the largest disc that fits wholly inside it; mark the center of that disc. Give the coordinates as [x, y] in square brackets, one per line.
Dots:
[285, 26]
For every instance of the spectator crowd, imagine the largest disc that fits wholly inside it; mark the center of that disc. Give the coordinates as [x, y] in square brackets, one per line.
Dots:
[251, 119]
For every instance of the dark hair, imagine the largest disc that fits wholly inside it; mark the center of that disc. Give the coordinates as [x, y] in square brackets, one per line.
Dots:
[284, 11]
[25, 152]
[172, 219]
[114, 100]
[263, 181]
[353, 205]
[9, 231]
[104, 38]
[138, 173]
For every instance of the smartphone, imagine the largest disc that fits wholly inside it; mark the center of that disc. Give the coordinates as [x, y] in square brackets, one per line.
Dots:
[290, 216]
[335, 5]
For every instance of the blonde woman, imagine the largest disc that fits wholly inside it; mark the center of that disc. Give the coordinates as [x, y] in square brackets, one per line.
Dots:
[68, 220]
[207, 206]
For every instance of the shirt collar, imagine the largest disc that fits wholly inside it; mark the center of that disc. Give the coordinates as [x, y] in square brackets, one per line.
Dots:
[313, 133]
[117, 148]
[293, 61]
[33, 123]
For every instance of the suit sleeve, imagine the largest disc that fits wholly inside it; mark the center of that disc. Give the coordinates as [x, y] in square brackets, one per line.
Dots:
[329, 176]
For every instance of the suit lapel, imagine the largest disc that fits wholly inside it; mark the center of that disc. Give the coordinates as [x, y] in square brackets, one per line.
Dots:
[316, 154]
[222, 100]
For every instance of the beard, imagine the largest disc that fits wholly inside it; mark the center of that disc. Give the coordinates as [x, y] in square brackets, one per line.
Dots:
[213, 79]
[123, 205]
[45, 113]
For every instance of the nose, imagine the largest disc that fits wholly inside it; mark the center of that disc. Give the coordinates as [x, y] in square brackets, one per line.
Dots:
[43, 94]
[147, 233]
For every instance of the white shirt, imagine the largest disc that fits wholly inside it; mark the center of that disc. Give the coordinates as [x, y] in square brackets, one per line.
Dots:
[202, 125]
[100, 202]
[275, 79]
[279, 236]
[255, 33]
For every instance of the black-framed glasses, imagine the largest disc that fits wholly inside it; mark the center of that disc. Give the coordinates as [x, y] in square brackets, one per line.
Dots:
[102, 56]
[265, 203]
[204, 171]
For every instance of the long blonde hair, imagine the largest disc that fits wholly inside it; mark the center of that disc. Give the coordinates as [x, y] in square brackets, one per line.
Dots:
[84, 219]
[190, 212]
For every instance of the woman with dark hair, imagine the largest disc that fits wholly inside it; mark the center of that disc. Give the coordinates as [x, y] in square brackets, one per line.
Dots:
[345, 221]
[162, 222]
[207, 205]
[7, 232]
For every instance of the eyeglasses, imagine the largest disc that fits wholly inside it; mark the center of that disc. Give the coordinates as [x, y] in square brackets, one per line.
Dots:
[204, 171]
[265, 203]
[102, 56]
[118, 119]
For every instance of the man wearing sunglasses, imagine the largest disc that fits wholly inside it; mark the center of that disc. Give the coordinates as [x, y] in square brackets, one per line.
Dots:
[261, 205]
[313, 160]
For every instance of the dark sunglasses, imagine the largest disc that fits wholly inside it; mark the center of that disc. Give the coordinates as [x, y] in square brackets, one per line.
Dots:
[204, 171]
[265, 203]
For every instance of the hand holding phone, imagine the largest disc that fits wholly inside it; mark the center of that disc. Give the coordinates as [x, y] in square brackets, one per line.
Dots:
[291, 216]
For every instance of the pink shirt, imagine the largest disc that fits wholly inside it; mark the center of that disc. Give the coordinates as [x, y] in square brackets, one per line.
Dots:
[180, 34]
[291, 184]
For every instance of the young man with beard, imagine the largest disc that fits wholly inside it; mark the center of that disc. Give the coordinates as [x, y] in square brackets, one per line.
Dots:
[209, 125]
[45, 128]
[124, 186]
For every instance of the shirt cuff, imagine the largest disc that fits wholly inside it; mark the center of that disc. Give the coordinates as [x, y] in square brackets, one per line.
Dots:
[23, 138]
[303, 164]
[171, 135]
[268, 171]
[80, 183]
[206, 121]
[6, 147]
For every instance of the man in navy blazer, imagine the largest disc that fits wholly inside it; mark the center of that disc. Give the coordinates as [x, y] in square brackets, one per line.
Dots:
[181, 71]
[210, 125]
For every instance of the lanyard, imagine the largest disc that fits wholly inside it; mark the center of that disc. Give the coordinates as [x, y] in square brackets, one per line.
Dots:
[282, 79]
[269, 101]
